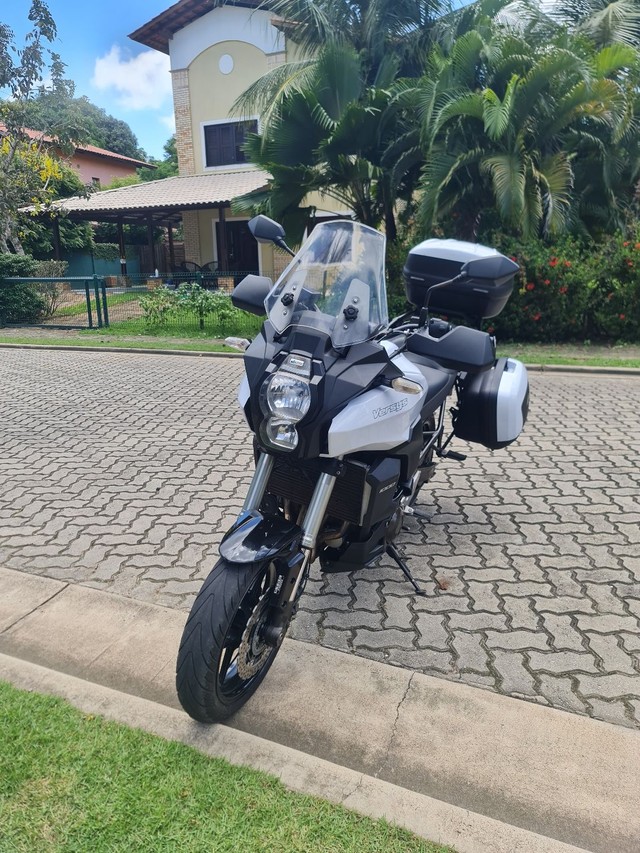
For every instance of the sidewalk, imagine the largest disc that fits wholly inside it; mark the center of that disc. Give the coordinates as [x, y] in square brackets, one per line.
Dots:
[481, 771]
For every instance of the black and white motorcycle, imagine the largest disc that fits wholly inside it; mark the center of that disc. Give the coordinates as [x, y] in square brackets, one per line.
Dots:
[348, 416]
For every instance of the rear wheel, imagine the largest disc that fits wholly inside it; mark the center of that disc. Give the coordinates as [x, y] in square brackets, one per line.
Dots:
[223, 657]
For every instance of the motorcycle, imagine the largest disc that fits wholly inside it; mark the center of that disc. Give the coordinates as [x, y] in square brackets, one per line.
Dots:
[348, 414]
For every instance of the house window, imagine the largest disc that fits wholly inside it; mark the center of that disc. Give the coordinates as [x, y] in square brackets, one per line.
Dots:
[223, 142]
[95, 183]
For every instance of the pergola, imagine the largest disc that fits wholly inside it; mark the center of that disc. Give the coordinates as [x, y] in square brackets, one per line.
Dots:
[160, 203]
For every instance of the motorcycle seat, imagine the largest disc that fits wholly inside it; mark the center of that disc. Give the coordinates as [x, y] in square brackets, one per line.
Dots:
[440, 380]
[461, 349]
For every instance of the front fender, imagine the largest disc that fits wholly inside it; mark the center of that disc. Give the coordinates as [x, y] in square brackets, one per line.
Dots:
[256, 537]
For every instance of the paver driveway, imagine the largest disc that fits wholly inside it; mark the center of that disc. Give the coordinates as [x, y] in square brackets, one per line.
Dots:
[122, 472]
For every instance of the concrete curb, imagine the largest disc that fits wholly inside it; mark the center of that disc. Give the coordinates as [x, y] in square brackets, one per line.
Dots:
[577, 368]
[536, 368]
[551, 773]
[135, 350]
[432, 819]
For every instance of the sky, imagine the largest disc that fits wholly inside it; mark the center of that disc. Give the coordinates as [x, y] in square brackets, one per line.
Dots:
[131, 82]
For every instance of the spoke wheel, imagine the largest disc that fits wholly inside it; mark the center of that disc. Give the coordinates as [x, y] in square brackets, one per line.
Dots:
[223, 657]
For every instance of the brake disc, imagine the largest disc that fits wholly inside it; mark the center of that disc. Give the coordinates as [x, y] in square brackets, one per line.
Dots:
[253, 652]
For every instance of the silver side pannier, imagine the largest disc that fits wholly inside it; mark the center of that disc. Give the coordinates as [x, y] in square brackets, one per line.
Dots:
[493, 405]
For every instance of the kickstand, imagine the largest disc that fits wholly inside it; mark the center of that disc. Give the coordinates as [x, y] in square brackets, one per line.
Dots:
[396, 556]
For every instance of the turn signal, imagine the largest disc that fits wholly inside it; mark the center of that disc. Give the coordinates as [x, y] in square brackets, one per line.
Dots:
[406, 386]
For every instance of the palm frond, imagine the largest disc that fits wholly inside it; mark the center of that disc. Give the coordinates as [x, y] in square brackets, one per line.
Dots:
[614, 58]
[338, 80]
[508, 179]
[555, 175]
[532, 210]
[497, 114]
[266, 95]
[613, 22]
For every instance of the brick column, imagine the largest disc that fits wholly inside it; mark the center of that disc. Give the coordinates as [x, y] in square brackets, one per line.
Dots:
[182, 110]
[275, 59]
[191, 232]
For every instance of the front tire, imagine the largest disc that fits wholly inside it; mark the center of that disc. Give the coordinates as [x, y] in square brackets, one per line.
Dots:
[222, 659]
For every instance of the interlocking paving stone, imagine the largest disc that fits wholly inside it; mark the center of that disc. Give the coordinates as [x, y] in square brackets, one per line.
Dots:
[122, 472]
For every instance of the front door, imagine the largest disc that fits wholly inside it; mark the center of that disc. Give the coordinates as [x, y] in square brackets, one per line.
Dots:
[242, 248]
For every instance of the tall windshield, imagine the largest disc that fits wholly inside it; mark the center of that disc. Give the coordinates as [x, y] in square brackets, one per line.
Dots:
[335, 283]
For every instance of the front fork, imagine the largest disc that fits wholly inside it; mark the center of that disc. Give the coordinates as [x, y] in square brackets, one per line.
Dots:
[292, 572]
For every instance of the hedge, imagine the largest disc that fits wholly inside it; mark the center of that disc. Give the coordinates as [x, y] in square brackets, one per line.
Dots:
[573, 290]
[19, 303]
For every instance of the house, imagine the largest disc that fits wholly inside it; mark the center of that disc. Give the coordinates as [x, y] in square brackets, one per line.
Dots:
[216, 51]
[95, 166]
[99, 167]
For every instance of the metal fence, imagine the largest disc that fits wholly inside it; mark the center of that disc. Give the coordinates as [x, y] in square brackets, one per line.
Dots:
[132, 304]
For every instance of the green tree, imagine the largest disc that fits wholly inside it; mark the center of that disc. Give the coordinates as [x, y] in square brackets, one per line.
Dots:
[85, 123]
[36, 233]
[390, 37]
[548, 141]
[604, 22]
[27, 170]
[338, 137]
[167, 167]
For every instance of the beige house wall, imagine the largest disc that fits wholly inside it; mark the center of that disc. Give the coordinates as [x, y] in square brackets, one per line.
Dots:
[203, 94]
[214, 93]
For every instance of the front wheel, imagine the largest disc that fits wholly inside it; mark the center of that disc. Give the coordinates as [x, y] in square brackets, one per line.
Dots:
[223, 657]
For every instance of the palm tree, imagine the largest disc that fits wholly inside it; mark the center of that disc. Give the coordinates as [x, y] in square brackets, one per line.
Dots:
[341, 138]
[390, 37]
[604, 22]
[540, 141]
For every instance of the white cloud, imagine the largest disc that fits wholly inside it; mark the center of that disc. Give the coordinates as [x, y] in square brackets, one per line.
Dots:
[169, 121]
[141, 82]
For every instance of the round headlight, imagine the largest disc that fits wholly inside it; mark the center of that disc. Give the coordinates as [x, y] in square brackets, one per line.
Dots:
[287, 397]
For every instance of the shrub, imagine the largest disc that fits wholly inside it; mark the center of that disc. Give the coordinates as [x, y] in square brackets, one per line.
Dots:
[573, 290]
[157, 306]
[195, 298]
[17, 266]
[106, 251]
[51, 291]
[19, 302]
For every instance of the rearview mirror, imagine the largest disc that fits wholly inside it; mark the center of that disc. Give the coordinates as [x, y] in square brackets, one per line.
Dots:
[266, 230]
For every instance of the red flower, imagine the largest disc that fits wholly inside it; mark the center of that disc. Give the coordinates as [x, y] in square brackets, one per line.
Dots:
[622, 316]
[637, 245]
[547, 282]
[531, 286]
[567, 263]
[626, 243]
[514, 259]
[629, 263]
[536, 317]
[564, 289]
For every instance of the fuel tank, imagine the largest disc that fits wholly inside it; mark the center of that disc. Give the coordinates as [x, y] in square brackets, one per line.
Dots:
[380, 419]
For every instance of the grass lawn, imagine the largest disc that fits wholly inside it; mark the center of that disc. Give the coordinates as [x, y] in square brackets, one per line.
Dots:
[74, 782]
[188, 336]
[587, 355]
[78, 308]
[185, 326]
